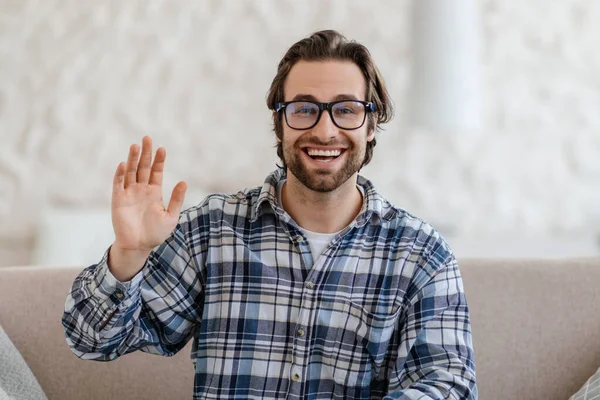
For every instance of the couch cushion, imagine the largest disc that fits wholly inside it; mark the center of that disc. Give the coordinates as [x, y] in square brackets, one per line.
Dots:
[16, 379]
[590, 390]
[536, 334]
[32, 300]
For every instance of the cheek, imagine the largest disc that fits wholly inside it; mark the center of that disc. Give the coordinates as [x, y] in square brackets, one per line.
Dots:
[362, 136]
[290, 137]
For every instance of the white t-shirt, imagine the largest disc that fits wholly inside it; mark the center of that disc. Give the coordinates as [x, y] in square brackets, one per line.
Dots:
[317, 241]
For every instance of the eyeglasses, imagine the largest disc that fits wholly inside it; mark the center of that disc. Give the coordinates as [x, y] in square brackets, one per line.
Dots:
[345, 114]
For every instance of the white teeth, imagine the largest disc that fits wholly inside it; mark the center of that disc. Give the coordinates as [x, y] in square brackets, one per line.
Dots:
[324, 153]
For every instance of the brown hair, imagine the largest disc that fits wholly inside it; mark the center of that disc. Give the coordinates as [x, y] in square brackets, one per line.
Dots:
[331, 45]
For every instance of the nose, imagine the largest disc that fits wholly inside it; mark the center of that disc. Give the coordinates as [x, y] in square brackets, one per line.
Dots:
[325, 129]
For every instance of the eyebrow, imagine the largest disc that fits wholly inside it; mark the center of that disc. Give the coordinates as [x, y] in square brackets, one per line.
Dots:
[310, 97]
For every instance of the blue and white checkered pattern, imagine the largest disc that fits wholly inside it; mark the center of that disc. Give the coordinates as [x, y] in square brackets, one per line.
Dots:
[381, 313]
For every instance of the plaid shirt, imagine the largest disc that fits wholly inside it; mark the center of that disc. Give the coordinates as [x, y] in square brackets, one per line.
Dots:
[380, 314]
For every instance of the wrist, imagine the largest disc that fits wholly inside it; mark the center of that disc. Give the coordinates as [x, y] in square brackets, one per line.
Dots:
[124, 264]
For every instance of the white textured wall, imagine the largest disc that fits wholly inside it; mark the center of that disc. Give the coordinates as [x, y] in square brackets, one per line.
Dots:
[81, 80]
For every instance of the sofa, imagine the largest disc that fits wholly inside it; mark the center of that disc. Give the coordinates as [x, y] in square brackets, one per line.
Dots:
[536, 333]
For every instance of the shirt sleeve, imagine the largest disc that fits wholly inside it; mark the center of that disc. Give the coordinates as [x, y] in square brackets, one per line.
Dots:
[157, 311]
[435, 351]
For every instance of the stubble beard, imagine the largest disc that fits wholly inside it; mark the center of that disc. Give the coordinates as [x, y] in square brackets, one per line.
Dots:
[323, 180]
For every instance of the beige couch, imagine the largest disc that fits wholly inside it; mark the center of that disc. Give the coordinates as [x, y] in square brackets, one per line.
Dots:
[536, 328]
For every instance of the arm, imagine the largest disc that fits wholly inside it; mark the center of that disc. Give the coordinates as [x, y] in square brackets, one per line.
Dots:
[149, 297]
[435, 351]
[156, 311]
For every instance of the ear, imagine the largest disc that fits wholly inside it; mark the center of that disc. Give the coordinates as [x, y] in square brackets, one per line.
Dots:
[371, 134]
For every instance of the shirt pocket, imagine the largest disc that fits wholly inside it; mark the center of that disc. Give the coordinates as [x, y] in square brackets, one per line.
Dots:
[362, 341]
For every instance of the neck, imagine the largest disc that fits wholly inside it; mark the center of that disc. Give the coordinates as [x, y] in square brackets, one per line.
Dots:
[328, 212]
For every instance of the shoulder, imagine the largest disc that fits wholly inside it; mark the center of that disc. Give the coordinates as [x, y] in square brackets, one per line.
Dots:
[424, 256]
[398, 227]
[221, 205]
[409, 230]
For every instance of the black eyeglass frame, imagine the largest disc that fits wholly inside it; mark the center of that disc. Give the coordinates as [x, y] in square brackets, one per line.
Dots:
[369, 107]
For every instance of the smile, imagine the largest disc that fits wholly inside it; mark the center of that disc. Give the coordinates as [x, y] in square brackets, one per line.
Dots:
[323, 155]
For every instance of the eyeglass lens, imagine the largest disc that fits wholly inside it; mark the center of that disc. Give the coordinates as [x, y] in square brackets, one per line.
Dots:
[346, 114]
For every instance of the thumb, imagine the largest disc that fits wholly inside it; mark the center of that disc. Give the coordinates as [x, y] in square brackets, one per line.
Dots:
[177, 198]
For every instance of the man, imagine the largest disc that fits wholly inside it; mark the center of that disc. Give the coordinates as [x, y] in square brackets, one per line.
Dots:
[311, 286]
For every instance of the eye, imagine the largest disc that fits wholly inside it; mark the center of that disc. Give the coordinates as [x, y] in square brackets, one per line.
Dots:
[343, 111]
[303, 110]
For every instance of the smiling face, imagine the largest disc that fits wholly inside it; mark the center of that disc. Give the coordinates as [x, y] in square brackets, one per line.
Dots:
[324, 157]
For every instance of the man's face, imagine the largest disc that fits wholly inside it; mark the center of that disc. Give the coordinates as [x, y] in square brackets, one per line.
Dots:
[324, 82]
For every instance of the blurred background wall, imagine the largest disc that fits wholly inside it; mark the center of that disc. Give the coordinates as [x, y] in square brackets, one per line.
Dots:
[80, 81]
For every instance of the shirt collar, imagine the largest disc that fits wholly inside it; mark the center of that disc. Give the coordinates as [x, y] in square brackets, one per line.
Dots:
[375, 208]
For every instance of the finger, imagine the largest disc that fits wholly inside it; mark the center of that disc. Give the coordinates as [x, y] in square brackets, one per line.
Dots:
[132, 158]
[156, 175]
[177, 198]
[143, 169]
[119, 178]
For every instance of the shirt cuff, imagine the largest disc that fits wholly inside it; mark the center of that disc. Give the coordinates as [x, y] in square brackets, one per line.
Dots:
[111, 293]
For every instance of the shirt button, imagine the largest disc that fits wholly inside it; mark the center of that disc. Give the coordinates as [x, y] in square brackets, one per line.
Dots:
[119, 294]
[299, 239]
[300, 332]
[296, 378]
[310, 285]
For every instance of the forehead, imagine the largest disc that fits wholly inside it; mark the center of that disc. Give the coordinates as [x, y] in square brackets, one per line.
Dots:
[325, 80]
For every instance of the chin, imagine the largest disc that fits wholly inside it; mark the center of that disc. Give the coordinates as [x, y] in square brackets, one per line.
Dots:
[322, 181]
[322, 187]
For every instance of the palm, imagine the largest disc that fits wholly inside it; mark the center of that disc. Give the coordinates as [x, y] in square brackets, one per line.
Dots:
[139, 218]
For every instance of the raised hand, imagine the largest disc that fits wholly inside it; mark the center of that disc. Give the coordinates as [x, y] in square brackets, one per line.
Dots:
[139, 218]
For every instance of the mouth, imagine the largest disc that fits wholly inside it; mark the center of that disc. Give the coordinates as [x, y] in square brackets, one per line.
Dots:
[323, 155]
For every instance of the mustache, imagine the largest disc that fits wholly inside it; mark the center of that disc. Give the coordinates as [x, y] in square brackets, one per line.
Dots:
[317, 142]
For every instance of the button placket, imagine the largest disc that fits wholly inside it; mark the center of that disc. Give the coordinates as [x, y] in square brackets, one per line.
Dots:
[300, 348]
